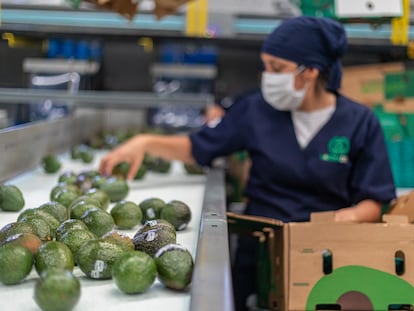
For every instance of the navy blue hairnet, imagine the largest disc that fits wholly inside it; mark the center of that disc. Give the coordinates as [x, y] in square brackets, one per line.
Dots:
[311, 41]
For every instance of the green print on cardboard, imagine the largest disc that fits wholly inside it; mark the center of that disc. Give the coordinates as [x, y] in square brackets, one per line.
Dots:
[338, 148]
[371, 289]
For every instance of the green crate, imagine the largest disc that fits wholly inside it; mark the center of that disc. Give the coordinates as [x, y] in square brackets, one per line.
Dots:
[320, 8]
[390, 123]
[399, 136]
[399, 85]
[401, 154]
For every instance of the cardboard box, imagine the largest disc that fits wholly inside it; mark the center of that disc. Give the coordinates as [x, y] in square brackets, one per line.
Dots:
[365, 83]
[399, 105]
[323, 265]
[404, 206]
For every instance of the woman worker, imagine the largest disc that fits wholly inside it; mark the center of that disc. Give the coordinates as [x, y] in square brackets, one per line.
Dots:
[311, 148]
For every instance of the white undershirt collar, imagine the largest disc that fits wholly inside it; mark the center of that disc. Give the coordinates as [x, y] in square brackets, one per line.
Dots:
[307, 124]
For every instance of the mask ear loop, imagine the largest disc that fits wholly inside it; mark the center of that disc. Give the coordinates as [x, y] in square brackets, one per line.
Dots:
[300, 69]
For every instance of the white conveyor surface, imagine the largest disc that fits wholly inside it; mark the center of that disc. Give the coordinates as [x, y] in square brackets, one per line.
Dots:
[103, 295]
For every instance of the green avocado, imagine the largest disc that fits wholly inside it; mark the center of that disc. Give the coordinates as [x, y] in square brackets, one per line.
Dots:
[151, 208]
[142, 171]
[177, 213]
[156, 164]
[117, 189]
[152, 240]
[49, 218]
[15, 228]
[121, 170]
[51, 163]
[96, 258]
[157, 224]
[193, 169]
[175, 266]
[11, 198]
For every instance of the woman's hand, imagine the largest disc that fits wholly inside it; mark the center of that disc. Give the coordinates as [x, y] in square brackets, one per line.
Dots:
[171, 147]
[364, 211]
[132, 152]
[214, 113]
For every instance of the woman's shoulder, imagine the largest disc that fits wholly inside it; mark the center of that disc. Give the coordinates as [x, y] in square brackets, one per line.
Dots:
[353, 107]
[361, 115]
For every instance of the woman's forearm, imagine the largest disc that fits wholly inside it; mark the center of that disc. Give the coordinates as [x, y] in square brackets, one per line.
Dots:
[174, 147]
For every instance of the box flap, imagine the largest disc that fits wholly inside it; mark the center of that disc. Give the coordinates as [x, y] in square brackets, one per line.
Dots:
[395, 219]
[250, 220]
[404, 205]
[323, 217]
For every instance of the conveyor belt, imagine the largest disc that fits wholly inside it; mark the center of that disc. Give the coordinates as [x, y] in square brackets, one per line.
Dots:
[103, 294]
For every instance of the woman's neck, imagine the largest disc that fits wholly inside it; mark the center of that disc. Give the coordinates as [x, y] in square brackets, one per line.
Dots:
[316, 101]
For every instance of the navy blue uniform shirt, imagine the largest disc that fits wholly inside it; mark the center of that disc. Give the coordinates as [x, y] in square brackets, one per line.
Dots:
[345, 163]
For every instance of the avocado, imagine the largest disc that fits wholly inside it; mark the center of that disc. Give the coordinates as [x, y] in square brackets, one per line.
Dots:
[68, 177]
[98, 180]
[98, 221]
[76, 151]
[156, 164]
[156, 224]
[151, 208]
[121, 170]
[96, 258]
[142, 171]
[54, 254]
[51, 163]
[193, 169]
[120, 239]
[177, 213]
[70, 224]
[75, 238]
[78, 209]
[51, 221]
[134, 272]
[40, 226]
[28, 240]
[65, 196]
[87, 155]
[11, 198]
[16, 262]
[152, 240]
[14, 228]
[56, 209]
[82, 152]
[57, 290]
[62, 186]
[117, 189]
[83, 199]
[85, 179]
[126, 214]
[101, 196]
[175, 266]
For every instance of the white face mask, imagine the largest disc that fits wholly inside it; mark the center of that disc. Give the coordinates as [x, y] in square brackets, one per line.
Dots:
[279, 91]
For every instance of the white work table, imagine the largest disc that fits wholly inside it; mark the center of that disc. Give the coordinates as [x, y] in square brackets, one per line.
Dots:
[103, 295]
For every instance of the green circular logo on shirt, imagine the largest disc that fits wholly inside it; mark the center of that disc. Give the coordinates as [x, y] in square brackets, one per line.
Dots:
[339, 145]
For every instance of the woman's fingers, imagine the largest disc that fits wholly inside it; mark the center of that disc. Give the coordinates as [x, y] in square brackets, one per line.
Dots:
[133, 169]
[109, 162]
[129, 152]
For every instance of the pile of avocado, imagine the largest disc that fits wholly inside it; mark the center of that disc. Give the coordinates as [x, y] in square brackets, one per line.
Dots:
[78, 227]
